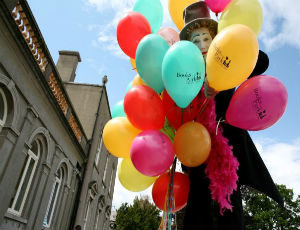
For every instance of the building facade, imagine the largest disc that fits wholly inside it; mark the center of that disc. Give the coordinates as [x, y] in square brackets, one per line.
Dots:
[55, 172]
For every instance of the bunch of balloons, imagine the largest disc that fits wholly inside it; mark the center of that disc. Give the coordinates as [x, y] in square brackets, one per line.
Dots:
[155, 121]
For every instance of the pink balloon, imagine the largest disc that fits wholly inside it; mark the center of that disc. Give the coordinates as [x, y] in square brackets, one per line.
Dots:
[217, 6]
[152, 153]
[258, 103]
[169, 34]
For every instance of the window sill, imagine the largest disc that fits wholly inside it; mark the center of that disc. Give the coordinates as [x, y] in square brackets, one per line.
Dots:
[14, 217]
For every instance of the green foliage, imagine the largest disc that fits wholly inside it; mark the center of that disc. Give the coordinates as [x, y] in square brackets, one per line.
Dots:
[262, 213]
[141, 215]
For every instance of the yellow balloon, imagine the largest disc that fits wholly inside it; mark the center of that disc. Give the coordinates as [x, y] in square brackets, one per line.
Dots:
[132, 179]
[118, 135]
[246, 12]
[176, 8]
[137, 80]
[132, 62]
[231, 57]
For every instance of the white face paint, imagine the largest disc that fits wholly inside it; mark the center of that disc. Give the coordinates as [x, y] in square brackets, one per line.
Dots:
[201, 38]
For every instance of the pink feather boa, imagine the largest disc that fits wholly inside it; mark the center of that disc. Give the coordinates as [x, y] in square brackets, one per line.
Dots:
[221, 165]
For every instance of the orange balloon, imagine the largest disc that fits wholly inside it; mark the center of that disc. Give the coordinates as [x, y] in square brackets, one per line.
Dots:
[132, 62]
[137, 80]
[118, 135]
[192, 144]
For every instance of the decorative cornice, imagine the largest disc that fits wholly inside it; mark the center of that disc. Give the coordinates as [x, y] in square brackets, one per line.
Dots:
[57, 92]
[29, 36]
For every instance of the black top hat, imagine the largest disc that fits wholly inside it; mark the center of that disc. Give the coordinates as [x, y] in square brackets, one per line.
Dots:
[196, 16]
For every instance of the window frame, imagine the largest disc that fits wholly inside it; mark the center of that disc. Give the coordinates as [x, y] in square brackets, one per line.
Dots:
[98, 151]
[2, 121]
[87, 212]
[111, 179]
[58, 180]
[35, 158]
[105, 168]
[97, 219]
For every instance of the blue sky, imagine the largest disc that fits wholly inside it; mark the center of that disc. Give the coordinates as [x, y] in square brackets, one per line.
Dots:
[89, 26]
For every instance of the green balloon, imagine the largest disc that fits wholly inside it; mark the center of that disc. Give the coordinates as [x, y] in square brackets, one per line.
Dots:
[118, 110]
[128, 87]
[183, 72]
[152, 10]
[149, 56]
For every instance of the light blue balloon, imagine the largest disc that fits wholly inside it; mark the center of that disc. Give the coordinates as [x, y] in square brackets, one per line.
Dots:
[149, 57]
[118, 110]
[152, 10]
[183, 72]
[128, 87]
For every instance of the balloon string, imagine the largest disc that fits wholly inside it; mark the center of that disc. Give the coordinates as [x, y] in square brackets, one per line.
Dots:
[219, 122]
[203, 106]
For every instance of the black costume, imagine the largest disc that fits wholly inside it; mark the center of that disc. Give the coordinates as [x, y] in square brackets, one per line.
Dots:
[201, 211]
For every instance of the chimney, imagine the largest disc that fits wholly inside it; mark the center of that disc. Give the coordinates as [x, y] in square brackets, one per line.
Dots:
[67, 64]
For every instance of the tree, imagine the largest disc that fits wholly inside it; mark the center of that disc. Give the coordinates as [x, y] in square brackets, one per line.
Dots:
[262, 213]
[140, 215]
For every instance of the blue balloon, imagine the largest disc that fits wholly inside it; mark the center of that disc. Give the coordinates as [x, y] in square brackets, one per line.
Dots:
[128, 87]
[152, 10]
[149, 56]
[118, 110]
[183, 72]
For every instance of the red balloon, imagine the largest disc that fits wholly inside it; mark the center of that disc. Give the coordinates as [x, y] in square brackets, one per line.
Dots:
[174, 113]
[144, 108]
[131, 29]
[181, 187]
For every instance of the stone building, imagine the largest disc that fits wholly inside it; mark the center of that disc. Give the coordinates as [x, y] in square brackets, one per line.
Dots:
[55, 172]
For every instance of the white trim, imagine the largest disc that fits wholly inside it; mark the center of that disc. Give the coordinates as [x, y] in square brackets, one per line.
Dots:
[98, 151]
[97, 219]
[111, 178]
[35, 158]
[86, 216]
[2, 121]
[105, 168]
[58, 181]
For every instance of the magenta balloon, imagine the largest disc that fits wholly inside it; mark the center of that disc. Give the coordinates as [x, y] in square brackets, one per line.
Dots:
[169, 34]
[217, 6]
[152, 153]
[258, 103]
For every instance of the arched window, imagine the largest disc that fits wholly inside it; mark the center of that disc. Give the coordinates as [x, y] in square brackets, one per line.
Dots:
[101, 204]
[25, 180]
[111, 179]
[105, 168]
[3, 108]
[107, 218]
[53, 197]
[98, 151]
[87, 213]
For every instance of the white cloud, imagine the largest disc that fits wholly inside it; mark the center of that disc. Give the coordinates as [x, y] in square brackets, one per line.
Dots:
[283, 161]
[107, 39]
[281, 19]
[281, 23]
[102, 5]
[95, 66]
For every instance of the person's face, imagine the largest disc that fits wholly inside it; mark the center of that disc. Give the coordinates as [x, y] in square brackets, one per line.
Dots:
[201, 38]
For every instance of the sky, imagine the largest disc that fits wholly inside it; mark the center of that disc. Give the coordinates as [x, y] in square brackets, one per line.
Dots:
[89, 27]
